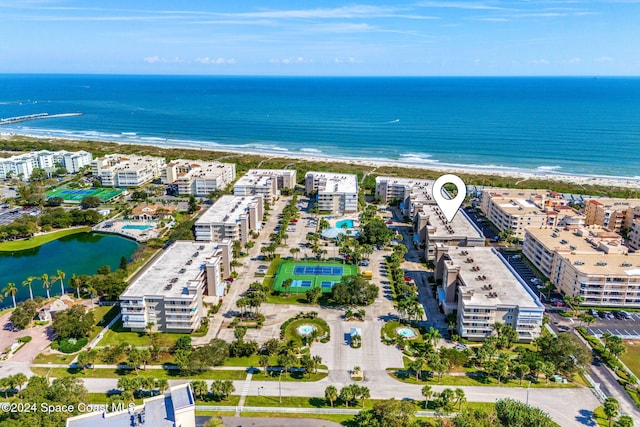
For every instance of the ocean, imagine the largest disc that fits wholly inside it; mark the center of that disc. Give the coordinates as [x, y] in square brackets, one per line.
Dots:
[577, 125]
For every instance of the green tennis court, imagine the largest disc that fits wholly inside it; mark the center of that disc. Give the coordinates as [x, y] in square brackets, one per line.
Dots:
[76, 195]
[306, 275]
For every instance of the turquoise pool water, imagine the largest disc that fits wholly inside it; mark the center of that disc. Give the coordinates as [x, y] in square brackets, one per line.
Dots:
[406, 332]
[136, 227]
[345, 222]
[306, 329]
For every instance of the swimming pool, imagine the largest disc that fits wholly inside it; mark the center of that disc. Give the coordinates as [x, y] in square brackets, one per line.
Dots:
[136, 227]
[348, 223]
[406, 332]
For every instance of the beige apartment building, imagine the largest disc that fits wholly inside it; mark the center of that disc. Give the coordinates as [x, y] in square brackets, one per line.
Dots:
[335, 192]
[412, 194]
[431, 228]
[198, 177]
[230, 217]
[590, 261]
[127, 170]
[614, 214]
[517, 209]
[634, 235]
[480, 286]
[265, 182]
[169, 292]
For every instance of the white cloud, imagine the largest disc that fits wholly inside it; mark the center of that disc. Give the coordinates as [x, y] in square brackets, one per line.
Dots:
[293, 60]
[162, 60]
[540, 61]
[349, 60]
[605, 59]
[574, 60]
[216, 61]
[460, 5]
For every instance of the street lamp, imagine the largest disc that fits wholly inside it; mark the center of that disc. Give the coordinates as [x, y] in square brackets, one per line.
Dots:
[528, 393]
[260, 388]
[280, 385]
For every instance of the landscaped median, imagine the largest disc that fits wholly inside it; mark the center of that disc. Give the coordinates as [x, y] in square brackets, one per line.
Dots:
[39, 240]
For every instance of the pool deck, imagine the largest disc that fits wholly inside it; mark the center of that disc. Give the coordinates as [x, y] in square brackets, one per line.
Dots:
[116, 226]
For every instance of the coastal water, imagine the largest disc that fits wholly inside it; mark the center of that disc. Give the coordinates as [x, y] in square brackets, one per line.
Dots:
[569, 125]
[80, 253]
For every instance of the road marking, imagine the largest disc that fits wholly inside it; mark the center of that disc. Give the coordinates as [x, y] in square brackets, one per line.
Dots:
[618, 332]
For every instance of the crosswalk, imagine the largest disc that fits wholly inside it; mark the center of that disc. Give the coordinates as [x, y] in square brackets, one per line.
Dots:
[244, 393]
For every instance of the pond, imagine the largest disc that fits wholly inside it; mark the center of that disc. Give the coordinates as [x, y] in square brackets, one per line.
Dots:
[81, 253]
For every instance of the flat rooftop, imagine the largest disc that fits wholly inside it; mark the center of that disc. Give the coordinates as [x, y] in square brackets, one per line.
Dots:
[227, 209]
[439, 228]
[591, 239]
[485, 272]
[605, 265]
[335, 182]
[202, 168]
[615, 203]
[178, 265]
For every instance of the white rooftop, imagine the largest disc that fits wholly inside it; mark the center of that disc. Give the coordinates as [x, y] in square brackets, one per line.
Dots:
[440, 228]
[179, 265]
[329, 182]
[227, 209]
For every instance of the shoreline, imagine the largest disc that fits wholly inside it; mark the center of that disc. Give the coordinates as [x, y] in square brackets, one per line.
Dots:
[522, 175]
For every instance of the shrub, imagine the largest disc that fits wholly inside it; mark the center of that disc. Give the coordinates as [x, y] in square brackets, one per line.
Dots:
[25, 339]
[70, 345]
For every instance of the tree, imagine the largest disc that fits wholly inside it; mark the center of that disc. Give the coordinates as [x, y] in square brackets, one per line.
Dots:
[331, 394]
[522, 369]
[73, 323]
[193, 206]
[11, 289]
[183, 343]
[613, 344]
[611, 409]
[123, 263]
[624, 421]
[417, 366]
[46, 283]
[376, 233]
[263, 361]
[313, 294]
[354, 290]
[200, 389]
[364, 393]
[24, 313]
[392, 413]
[433, 335]
[461, 398]
[347, 395]
[162, 384]
[445, 400]
[61, 276]
[27, 282]
[139, 196]
[511, 412]
[294, 252]
[87, 358]
[427, 392]
[135, 358]
[90, 202]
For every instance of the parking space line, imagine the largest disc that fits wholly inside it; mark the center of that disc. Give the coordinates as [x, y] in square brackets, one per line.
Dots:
[618, 332]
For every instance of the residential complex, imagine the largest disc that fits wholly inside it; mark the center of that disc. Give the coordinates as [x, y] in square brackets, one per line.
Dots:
[198, 177]
[634, 235]
[335, 192]
[266, 182]
[176, 407]
[589, 261]
[22, 166]
[231, 217]
[431, 227]
[481, 287]
[614, 214]
[127, 170]
[516, 209]
[411, 194]
[169, 292]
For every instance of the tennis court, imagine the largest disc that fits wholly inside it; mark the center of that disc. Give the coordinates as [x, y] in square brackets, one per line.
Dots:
[306, 275]
[75, 195]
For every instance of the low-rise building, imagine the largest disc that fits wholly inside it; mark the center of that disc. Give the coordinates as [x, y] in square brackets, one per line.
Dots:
[480, 286]
[335, 192]
[231, 217]
[198, 177]
[169, 292]
[174, 408]
[127, 170]
[151, 212]
[266, 182]
[411, 194]
[614, 214]
[517, 209]
[22, 165]
[588, 261]
[431, 228]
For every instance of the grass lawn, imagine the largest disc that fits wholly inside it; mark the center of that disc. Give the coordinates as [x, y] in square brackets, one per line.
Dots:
[291, 332]
[152, 373]
[251, 361]
[34, 242]
[389, 330]
[54, 358]
[450, 380]
[117, 334]
[340, 419]
[288, 299]
[291, 376]
[600, 417]
[631, 357]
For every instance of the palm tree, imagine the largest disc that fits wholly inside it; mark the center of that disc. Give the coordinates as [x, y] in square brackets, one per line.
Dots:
[46, 283]
[331, 394]
[61, 276]
[27, 282]
[76, 283]
[427, 392]
[364, 394]
[611, 409]
[460, 397]
[162, 384]
[11, 289]
[433, 335]
[346, 395]
[200, 389]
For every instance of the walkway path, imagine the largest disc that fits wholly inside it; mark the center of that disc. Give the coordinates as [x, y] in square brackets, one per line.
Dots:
[244, 393]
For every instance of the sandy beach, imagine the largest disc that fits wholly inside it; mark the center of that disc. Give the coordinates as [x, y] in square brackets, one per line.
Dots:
[522, 175]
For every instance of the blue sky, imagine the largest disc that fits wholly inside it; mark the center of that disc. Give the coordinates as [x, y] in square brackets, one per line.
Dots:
[279, 37]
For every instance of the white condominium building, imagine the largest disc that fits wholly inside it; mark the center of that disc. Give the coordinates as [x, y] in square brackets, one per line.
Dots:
[482, 288]
[589, 261]
[516, 209]
[614, 214]
[231, 217]
[412, 194]
[169, 292]
[335, 192]
[431, 227]
[127, 170]
[22, 166]
[198, 177]
[266, 182]
[634, 235]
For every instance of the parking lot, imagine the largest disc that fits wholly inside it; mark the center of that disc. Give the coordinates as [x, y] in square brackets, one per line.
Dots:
[7, 216]
[624, 328]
